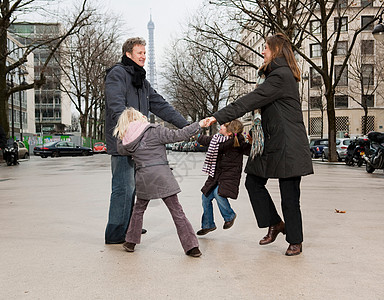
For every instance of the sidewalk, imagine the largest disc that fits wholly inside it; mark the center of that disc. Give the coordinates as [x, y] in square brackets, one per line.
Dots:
[53, 214]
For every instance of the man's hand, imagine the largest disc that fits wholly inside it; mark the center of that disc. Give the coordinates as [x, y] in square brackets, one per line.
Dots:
[204, 123]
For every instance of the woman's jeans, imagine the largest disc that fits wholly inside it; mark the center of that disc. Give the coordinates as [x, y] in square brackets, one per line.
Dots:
[184, 228]
[224, 207]
[265, 210]
[122, 198]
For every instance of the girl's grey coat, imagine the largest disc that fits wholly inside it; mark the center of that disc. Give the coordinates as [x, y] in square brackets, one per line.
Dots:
[286, 149]
[154, 178]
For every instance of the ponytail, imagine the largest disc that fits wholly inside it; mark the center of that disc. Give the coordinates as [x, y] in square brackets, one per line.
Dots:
[236, 141]
[235, 127]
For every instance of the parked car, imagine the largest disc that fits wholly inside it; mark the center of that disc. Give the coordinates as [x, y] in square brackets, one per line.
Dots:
[316, 147]
[61, 148]
[99, 147]
[341, 149]
[23, 151]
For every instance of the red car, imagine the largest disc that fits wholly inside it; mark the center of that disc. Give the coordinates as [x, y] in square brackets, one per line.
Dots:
[99, 147]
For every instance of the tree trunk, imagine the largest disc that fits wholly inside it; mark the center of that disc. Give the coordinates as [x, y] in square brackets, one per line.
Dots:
[331, 126]
[3, 72]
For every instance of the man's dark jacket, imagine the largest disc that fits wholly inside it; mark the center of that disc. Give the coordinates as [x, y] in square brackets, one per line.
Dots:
[120, 93]
[286, 149]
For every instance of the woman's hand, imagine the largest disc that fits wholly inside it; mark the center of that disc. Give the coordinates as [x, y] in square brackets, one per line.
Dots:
[211, 120]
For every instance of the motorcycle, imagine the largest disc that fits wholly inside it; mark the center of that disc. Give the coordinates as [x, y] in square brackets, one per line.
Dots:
[356, 151]
[375, 157]
[10, 154]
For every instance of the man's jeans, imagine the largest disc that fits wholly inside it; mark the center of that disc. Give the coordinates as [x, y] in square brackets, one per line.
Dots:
[122, 198]
[224, 207]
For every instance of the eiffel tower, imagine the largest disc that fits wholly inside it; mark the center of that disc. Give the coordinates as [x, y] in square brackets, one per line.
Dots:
[151, 54]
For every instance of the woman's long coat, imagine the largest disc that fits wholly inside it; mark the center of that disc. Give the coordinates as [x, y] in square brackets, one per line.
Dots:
[229, 166]
[154, 178]
[286, 149]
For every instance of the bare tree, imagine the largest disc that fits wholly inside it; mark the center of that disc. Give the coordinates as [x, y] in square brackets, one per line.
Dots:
[197, 74]
[296, 19]
[8, 11]
[367, 76]
[88, 54]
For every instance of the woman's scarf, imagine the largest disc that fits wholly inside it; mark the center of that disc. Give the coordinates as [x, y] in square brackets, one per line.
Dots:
[257, 129]
[212, 152]
[139, 72]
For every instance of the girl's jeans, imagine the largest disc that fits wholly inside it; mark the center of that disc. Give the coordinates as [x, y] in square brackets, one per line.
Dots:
[224, 207]
[184, 228]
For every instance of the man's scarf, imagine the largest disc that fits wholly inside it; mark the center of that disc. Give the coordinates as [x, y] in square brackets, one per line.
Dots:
[213, 150]
[139, 72]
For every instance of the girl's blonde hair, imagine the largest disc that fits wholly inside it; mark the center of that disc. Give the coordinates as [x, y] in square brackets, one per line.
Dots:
[128, 116]
[235, 127]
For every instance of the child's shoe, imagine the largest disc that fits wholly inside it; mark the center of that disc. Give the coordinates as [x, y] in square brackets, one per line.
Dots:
[194, 252]
[204, 231]
[229, 224]
[129, 247]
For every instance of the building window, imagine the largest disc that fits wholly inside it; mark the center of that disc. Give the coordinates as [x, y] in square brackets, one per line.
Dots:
[366, 3]
[366, 20]
[343, 23]
[367, 74]
[368, 100]
[367, 47]
[315, 102]
[342, 48]
[315, 78]
[344, 76]
[315, 27]
[370, 124]
[341, 101]
[315, 50]
[316, 126]
[342, 124]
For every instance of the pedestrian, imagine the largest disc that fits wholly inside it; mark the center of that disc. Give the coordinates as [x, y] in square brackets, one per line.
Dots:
[145, 143]
[224, 165]
[126, 86]
[286, 154]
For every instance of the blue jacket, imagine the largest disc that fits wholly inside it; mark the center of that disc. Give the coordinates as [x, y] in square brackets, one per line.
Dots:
[120, 93]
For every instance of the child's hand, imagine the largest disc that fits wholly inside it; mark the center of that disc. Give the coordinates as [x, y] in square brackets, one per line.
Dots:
[204, 123]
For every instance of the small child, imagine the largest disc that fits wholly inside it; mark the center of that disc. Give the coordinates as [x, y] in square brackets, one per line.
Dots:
[145, 142]
[223, 164]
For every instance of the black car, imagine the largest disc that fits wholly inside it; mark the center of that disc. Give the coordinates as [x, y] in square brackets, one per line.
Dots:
[61, 148]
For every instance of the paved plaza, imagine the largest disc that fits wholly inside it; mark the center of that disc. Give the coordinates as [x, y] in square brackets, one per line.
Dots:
[53, 214]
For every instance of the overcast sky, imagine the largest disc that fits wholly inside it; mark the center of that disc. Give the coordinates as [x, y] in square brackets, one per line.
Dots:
[167, 15]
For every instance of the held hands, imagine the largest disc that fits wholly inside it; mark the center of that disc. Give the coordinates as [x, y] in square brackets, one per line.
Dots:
[207, 122]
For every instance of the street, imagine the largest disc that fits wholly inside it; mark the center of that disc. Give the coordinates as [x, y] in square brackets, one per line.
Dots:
[53, 214]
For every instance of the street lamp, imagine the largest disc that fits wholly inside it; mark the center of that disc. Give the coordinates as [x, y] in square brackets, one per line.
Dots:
[12, 108]
[378, 31]
[305, 78]
[21, 72]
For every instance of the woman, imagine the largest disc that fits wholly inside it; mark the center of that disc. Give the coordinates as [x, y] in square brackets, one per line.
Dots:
[286, 154]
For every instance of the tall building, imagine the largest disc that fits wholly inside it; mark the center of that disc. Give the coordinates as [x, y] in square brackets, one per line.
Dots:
[21, 104]
[52, 106]
[151, 54]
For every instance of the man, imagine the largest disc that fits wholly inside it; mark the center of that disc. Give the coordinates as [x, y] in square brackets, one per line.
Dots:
[126, 86]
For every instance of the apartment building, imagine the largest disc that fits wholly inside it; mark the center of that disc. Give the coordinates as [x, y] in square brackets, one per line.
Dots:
[52, 106]
[21, 104]
[362, 80]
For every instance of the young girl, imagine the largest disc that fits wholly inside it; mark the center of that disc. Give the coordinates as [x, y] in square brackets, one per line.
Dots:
[145, 142]
[223, 164]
